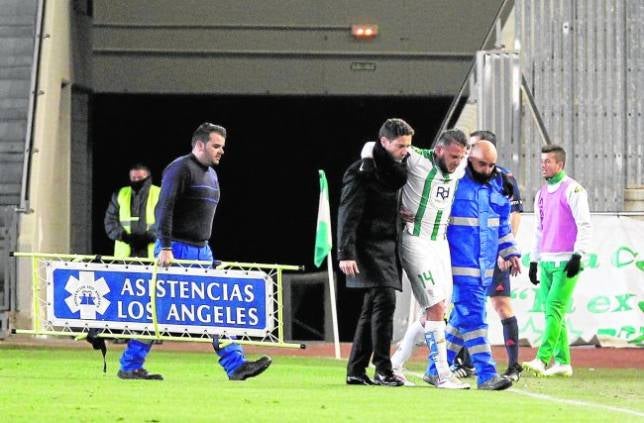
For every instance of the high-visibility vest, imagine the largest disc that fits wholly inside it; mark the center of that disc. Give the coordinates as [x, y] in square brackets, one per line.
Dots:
[123, 249]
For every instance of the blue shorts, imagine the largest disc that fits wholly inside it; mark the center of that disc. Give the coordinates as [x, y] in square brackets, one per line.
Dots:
[500, 286]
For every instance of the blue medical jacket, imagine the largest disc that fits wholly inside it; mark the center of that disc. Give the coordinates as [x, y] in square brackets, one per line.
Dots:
[479, 230]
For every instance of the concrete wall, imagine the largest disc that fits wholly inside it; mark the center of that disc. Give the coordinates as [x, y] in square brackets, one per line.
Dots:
[47, 228]
[286, 47]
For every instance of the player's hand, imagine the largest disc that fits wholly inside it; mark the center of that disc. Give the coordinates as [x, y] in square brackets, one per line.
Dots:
[573, 266]
[532, 273]
[503, 265]
[514, 264]
[406, 215]
[349, 267]
[165, 258]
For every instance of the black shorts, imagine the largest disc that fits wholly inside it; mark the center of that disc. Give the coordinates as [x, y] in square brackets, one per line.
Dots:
[500, 286]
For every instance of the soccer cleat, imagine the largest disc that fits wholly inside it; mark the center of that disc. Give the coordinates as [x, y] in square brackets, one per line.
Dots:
[451, 382]
[559, 370]
[400, 375]
[251, 368]
[359, 380]
[496, 383]
[535, 367]
[462, 370]
[432, 380]
[138, 374]
[513, 372]
[387, 379]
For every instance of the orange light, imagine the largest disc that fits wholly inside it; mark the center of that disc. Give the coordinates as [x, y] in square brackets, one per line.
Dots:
[364, 31]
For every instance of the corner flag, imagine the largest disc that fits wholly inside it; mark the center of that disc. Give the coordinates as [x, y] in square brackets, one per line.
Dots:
[323, 241]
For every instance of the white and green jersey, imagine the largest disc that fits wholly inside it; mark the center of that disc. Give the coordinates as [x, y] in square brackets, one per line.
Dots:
[428, 194]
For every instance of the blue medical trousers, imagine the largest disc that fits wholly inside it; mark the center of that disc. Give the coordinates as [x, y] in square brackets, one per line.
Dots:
[230, 357]
[467, 327]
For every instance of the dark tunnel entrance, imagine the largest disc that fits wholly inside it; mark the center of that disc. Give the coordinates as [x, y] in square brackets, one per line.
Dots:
[268, 175]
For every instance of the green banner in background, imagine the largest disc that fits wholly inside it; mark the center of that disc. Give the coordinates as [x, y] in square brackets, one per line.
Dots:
[608, 303]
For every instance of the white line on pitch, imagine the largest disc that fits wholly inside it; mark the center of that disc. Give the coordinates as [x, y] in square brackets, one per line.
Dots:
[562, 400]
[576, 402]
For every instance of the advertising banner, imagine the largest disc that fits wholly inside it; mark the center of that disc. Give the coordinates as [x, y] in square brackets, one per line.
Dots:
[188, 300]
[608, 301]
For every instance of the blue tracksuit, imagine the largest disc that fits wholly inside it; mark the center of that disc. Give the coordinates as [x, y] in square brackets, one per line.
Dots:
[479, 231]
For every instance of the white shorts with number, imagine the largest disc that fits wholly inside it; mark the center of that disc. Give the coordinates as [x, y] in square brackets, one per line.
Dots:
[429, 269]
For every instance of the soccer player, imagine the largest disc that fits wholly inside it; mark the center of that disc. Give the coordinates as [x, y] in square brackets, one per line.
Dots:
[427, 200]
[562, 237]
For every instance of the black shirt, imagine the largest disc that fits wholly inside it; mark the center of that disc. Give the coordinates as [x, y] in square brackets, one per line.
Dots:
[187, 203]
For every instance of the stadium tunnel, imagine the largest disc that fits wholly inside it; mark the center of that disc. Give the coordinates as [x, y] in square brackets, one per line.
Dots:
[268, 175]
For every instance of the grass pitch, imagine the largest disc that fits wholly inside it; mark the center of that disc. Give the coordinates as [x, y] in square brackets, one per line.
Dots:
[42, 384]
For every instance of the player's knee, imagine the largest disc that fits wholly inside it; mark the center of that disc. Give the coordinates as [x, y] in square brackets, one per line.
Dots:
[437, 311]
[503, 307]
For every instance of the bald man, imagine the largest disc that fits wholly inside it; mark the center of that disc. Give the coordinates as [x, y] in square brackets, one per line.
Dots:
[479, 231]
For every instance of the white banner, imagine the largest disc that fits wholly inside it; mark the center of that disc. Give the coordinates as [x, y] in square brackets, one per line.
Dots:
[608, 302]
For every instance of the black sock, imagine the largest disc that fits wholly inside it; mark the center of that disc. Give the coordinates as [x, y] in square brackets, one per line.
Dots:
[511, 338]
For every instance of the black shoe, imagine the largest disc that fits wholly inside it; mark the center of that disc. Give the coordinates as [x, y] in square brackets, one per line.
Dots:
[462, 370]
[359, 380]
[496, 383]
[138, 374]
[388, 379]
[513, 372]
[251, 368]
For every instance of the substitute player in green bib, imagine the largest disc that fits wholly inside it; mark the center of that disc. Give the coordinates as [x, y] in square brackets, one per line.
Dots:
[563, 234]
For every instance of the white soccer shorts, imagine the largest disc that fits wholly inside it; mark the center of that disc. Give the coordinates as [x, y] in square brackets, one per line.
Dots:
[429, 268]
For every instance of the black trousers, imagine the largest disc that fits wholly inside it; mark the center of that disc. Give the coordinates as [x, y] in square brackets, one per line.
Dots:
[373, 332]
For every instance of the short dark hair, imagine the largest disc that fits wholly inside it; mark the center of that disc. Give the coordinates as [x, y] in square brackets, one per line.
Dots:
[140, 166]
[452, 136]
[557, 150]
[202, 133]
[485, 135]
[394, 128]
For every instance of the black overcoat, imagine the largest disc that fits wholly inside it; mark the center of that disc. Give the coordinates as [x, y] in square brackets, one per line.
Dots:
[369, 224]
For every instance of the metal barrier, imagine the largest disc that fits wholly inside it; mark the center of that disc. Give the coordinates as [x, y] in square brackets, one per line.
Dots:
[77, 284]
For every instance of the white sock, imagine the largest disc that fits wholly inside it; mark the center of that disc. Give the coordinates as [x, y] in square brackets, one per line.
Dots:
[406, 345]
[437, 330]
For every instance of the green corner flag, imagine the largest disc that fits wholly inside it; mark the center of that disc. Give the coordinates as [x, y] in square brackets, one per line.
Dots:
[323, 240]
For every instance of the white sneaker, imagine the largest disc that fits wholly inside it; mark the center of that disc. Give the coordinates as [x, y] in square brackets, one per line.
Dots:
[536, 367]
[400, 375]
[559, 370]
[451, 382]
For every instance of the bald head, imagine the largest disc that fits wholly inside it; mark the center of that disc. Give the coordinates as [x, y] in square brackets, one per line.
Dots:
[483, 157]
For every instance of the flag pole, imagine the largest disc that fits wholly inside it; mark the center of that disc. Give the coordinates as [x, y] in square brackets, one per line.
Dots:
[334, 311]
[323, 246]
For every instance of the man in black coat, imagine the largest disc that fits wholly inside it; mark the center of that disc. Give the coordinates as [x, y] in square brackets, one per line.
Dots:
[368, 234]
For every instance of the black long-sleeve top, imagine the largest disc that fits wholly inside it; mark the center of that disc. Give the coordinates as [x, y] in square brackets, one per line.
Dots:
[187, 203]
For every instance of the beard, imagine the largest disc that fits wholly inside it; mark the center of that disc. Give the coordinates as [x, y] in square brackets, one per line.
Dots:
[478, 176]
[442, 165]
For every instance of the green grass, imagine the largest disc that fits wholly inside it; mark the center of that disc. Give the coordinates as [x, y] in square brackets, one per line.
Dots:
[42, 384]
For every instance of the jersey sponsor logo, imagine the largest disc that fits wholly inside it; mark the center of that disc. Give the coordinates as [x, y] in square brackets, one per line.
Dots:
[441, 196]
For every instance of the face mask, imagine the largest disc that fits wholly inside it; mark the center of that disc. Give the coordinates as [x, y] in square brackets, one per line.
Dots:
[137, 185]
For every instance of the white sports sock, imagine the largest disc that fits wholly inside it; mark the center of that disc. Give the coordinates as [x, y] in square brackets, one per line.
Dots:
[437, 330]
[406, 345]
